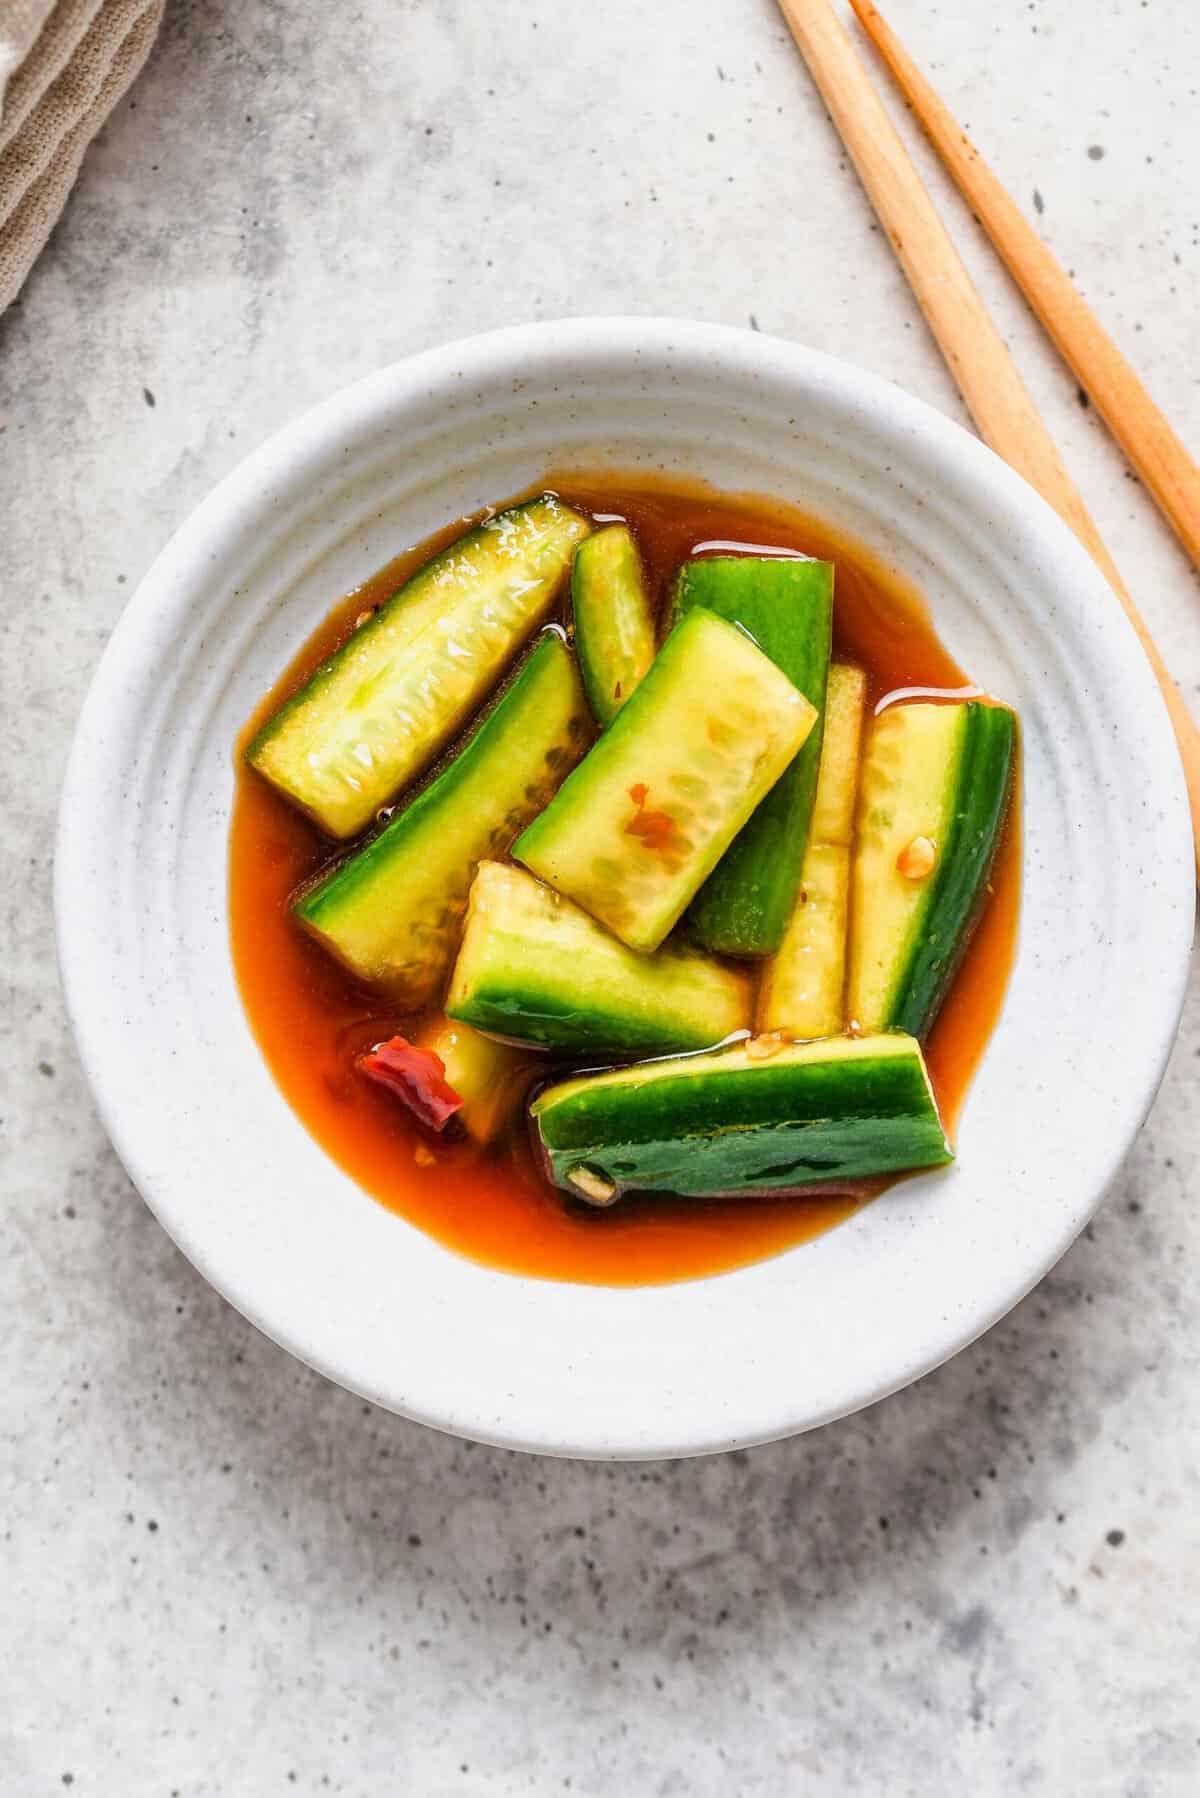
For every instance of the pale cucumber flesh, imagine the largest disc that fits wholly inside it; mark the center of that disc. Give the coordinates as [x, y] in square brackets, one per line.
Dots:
[378, 711]
[841, 750]
[490, 1078]
[786, 605]
[392, 912]
[636, 829]
[803, 985]
[614, 625]
[535, 968]
[936, 778]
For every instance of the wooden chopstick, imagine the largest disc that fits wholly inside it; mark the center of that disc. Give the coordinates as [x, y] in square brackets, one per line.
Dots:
[976, 354]
[1163, 462]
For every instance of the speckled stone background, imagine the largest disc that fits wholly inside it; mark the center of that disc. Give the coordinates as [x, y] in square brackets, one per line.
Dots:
[218, 1574]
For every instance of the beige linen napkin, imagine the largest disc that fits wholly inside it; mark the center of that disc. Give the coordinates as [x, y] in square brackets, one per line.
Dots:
[63, 67]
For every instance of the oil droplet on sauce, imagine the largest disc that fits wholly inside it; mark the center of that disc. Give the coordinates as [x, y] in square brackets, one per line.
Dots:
[312, 1019]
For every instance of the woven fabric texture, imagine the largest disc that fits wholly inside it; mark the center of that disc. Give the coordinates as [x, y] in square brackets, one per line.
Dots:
[63, 67]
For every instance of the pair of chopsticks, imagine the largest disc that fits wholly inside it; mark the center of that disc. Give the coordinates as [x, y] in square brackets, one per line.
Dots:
[979, 360]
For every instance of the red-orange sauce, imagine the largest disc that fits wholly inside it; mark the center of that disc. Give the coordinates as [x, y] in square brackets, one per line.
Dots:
[311, 1019]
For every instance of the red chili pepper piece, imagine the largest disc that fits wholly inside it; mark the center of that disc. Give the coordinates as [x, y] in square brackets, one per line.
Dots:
[417, 1076]
[656, 829]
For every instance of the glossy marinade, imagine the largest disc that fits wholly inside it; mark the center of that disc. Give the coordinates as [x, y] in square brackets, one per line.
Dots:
[311, 1017]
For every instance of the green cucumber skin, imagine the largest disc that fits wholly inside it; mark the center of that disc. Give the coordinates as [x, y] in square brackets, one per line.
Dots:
[412, 590]
[545, 679]
[414, 597]
[544, 1016]
[766, 1128]
[536, 969]
[984, 786]
[744, 906]
[708, 733]
[614, 626]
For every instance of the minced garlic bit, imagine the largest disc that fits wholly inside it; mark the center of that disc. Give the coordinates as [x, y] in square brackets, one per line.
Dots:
[424, 1157]
[596, 1188]
[762, 1048]
[917, 859]
[854, 1028]
[364, 618]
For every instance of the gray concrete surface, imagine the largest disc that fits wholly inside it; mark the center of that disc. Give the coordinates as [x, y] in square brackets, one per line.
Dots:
[221, 1576]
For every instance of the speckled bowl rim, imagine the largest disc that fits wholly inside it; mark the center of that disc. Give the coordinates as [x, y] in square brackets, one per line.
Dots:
[161, 602]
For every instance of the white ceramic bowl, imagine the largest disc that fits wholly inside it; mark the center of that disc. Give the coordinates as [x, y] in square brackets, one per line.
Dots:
[360, 1294]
